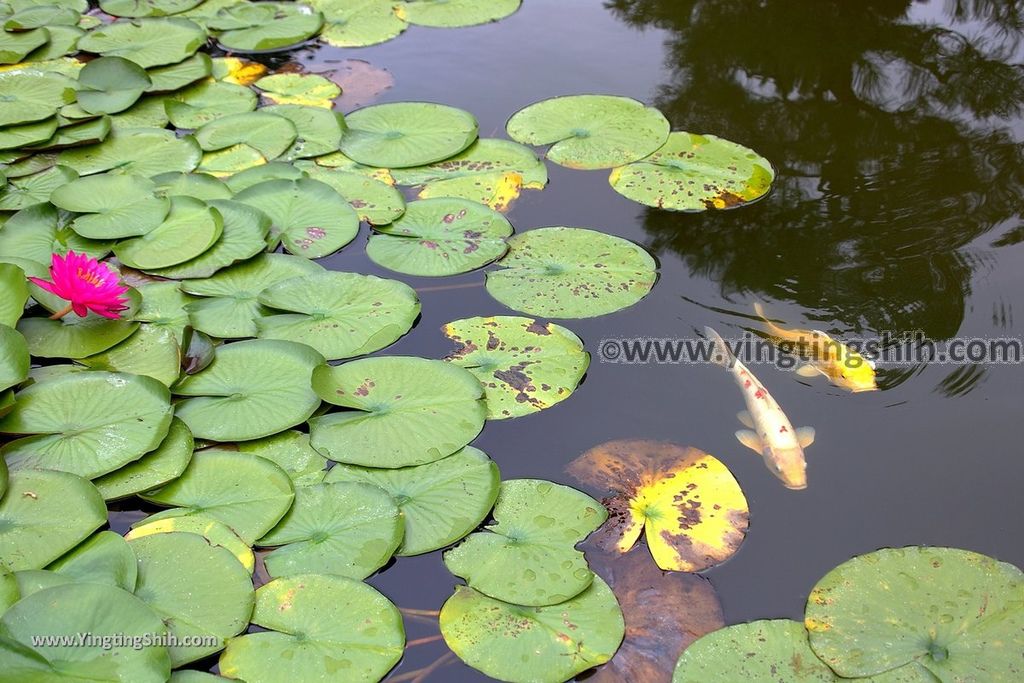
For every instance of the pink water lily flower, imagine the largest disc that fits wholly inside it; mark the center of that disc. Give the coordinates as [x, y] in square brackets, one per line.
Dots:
[85, 282]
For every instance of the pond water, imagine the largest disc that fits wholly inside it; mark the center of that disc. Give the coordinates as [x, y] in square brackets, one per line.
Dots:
[896, 131]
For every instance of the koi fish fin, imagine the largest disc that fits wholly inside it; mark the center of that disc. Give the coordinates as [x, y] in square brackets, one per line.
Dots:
[721, 354]
[807, 370]
[745, 419]
[871, 363]
[805, 436]
[776, 333]
[759, 311]
[751, 440]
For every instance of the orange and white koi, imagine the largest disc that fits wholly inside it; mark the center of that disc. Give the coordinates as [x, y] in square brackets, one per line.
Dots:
[770, 433]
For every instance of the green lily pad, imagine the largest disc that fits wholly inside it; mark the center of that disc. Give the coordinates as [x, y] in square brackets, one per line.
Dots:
[153, 469]
[318, 130]
[404, 134]
[957, 614]
[15, 45]
[591, 131]
[87, 423]
[111, 84]
[148, 112]
[231, 160]
[266, 26]
[163, 305]
[63, 41]
[455, 13]
[247, 493]
[17, 165]
[174, 77]
[436, 237]
[41, 15]
[21, 193]
[297, 88]
[147, 42]
[441, 501]
[308, 217]
[316, 624]
[548, 644]
[191, 227]
[40, 230]
[268, 134]
[216, 533]
[758, 651]
[528, 555]
[113, 205]
[27, 134]
[104, 557]
[14, 289]
[196, 185]
[151, 351]
[275, 170]
[252, 389]
[44, 514]
[73, 337]
[135, 151]
[695, 173]
[230, 308]
[14, 360]
[146, 8]
[102, 612]
[208, 101]
[191, 675]
[524, 365]
[347, 529]
[401, 411]
[571, 273]
[375, 201]
[88, 132]
[243, 236]
[199, 590]
[291, 451]
[359, 23]
[341, 315]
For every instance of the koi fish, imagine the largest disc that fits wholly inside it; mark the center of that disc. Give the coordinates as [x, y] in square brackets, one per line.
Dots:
[770, 433]
[843, 366]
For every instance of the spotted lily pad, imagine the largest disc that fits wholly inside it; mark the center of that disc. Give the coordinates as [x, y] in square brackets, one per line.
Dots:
[296, 88]
[266, 26]
[190, 228]
[524, 365]
[359, 23]
[440, 237]
[404, 134]
[314, 624]
[571, 273]
[32, 95]
[441, 501]
[252, 389]
[374, 200]
[111, 84]
[341, 315]
[153, 469]
[695, 173]
[147, 42]
[548, 644]
[957, 614]
[87, 423]
[113, 205]
[135, 151]
[399, 411]
[692, 508]
[455, 13]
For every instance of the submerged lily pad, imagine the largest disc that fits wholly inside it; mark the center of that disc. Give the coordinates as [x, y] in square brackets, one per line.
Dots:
[401, 411]
[404, 134]
[548, 644]
[111, 84]
[153, 469]
[190, 228]
[341, 315]
[359, 23]
[147, 42]
[528, 555]
[87, 423]
[347, 529]
[571, 273]
[44, 514]
[440, 237]
[524, 365]
[957, 614]
[441, 501]
[692, 508]
[591, 131]
[266, 26]
[455, 13]
[315, 622]
[695, 173]
[251, 389]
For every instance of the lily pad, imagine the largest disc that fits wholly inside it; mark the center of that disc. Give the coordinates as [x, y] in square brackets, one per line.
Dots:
[208, 101]
[591, 131]
[252, 389]
[153, 469]
[441, 501]
[151, 351]
[347, 529]
[27, 134]
[438, 237]
[496, 190]
[15, 45]
[111, 84]
[73, 337]
[63, 41]
[528, 555]
[359, 23]
[404, 134]
[104, 557]
[317, 623]
[308, 217]
[297, 88]
[174, 77]
[216, 533]
[198, 590]
[455, 13]
[37, 232]
[249, 494]
[548, 644]
[74, 609]
[14, 289]
[234, 69]
[571, 273]
[88, 132]
[148, 112]
[38, 15]
[524, 365]
[291, 451]
[374, 200]
[114, 205]
[955, 613]
[135, 151]
[692, 508]
[695, 173]
[230, 308]
[275, 170]
[318, 131]
[196, 185]
[268, 134]
[401, 411]
[191, 227]
[14, 360]
[146, 8]
[163, 305]
[266, 26]
[147, 42]
[341, 315]
[21, 193]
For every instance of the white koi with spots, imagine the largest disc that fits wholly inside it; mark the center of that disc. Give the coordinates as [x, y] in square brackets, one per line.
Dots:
[770, 433]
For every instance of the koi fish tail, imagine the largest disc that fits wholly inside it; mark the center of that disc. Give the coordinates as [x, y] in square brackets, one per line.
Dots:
[721, 354]
[776, 332]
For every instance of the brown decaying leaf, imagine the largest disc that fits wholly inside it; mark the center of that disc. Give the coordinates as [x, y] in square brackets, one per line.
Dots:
[361, 82]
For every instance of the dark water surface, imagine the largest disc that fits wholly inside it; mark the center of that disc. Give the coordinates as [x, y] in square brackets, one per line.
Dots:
[896, 129]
